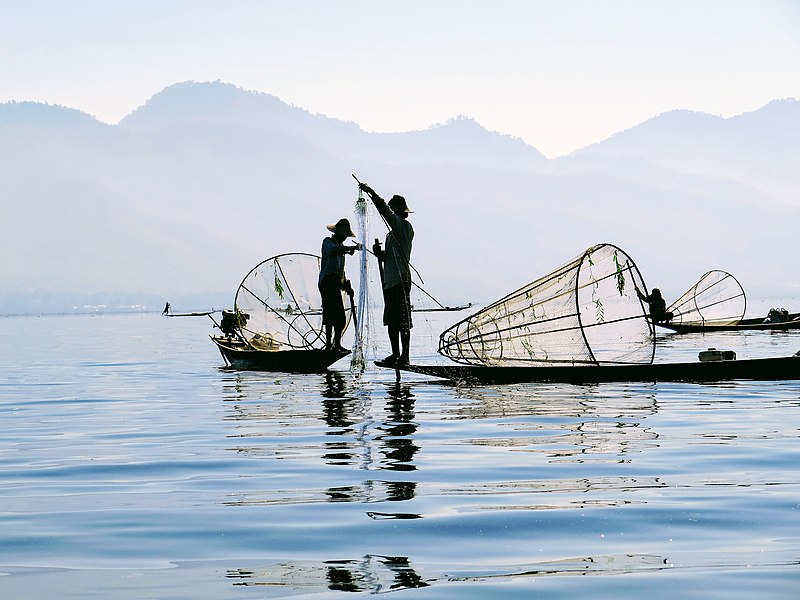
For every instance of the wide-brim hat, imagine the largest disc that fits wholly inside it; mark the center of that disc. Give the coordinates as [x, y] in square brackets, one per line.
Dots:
[342, 227]
[398, 204]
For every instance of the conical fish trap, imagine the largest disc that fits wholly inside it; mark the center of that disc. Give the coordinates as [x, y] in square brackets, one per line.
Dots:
[585, 313]
[279, 301]
[716, 299]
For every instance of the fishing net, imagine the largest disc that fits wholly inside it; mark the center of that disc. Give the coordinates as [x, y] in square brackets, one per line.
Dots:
[278, 304]
[361, 330]
[585, 313]
[370, 290]
[716, 299]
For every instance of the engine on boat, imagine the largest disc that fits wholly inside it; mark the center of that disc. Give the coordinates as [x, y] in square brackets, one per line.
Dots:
[232, 321]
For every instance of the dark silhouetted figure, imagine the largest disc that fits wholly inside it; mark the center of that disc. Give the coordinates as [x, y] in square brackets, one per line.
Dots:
[332, 281]
[396, 261]
[657, 305]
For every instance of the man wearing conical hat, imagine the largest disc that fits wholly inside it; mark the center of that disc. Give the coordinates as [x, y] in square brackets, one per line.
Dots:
[396, 273]
[332, 281]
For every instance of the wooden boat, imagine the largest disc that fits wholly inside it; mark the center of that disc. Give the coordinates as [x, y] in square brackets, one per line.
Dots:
[754, 324]
[717, 302]
[276, 322]
[241, 356]
[780, 368]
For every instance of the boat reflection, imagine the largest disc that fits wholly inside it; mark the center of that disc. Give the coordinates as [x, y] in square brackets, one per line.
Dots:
[562, 421]
[595, 400]
[376, 574]
[371, 491]
[350, 576]
[371, 573]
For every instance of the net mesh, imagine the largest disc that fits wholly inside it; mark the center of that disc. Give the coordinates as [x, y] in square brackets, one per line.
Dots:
[282, 304]
[586, 312]
[716, 299]
[361, 330]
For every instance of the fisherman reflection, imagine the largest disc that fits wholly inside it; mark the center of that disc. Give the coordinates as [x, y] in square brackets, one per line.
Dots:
[399, 447]
[657, 305]
[372, 574]
[338, 411]
[348, 493]
[397, 491]
[376, 491]
[343, 580]
[404, 576]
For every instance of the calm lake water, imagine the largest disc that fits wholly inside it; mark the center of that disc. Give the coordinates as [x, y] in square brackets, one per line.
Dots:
[132, 466]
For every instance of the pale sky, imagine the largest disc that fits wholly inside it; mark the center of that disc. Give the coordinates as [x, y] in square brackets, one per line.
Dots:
[560, 74]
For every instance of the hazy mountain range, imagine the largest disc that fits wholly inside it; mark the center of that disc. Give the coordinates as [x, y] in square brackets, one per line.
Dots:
[182, 197]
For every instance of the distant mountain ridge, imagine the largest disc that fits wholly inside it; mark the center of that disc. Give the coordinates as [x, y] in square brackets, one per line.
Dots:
[220, 102]
[204, 180]
[38, 114]
[460, 139]
[760, 149]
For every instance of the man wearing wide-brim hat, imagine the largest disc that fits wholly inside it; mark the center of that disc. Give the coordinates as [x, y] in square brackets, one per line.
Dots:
[332, 281]
[396, 273]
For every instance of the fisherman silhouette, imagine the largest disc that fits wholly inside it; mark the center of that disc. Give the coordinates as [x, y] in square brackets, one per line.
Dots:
[396, 273]
[657, 305]
[332, 282]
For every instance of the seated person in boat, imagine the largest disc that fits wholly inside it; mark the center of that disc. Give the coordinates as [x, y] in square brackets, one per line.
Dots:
[657, 305]
[332, 281]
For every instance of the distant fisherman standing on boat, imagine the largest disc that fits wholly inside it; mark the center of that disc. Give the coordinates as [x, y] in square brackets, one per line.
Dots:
[396, 273]
[332, 281]
[657, 304]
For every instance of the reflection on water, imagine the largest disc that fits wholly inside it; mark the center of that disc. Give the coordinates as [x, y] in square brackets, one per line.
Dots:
[376, 574]
[397, 430]
[376, 430]
[364, 430]
[127, 452]
[367, 575]
[372, 573]
[381, 574]
[371, 429]
[548, 400]
[339, 408]
[370, 491]
[564, 422]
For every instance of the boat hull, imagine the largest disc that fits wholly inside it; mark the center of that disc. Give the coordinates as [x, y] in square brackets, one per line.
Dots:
[781, 368]
[243, 358]
[756, 324]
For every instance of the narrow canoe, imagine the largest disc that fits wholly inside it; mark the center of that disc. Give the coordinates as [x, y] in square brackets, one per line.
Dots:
[756, 324]
[241, 357]
[780, 368]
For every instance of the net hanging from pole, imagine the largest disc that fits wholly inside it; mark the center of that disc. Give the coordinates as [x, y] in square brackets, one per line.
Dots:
[361, 329]
[278, 304]
[716, 299]
[586, 312]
